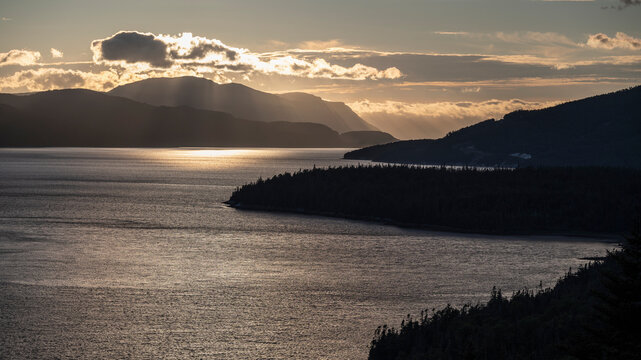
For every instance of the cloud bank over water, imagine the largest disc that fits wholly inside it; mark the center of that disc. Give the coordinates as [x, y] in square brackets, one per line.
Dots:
[433, 120]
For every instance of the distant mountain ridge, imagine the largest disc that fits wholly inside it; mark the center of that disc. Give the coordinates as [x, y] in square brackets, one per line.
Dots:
[79, 117]
[243, 102]
[603, 130]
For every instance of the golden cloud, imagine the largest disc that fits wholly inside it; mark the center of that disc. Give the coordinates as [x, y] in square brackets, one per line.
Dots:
[54, 78]
[141, 52]
[485, 109]
[320, 44]
[56, 54]
[433, 120]
[619, 41]
[19, 57]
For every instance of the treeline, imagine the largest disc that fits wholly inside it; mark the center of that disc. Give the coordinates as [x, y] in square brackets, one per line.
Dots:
[594, 313]
[524, 200]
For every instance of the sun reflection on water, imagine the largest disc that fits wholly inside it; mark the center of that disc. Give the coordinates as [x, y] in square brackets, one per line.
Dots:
[214, 158]
[221, 158]
[215, 153]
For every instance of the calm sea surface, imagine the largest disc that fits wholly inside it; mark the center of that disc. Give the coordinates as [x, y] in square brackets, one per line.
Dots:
[130, 253]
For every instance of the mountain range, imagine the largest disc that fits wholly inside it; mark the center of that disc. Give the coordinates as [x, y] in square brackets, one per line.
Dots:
[183, 111]
[603, 130]
[79, 117]
[243, 102]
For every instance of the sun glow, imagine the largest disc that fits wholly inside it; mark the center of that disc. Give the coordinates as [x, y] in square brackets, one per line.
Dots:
[210, 158]
[214, 153]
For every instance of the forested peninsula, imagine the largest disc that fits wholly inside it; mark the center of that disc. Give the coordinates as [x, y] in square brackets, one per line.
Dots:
[569, 201]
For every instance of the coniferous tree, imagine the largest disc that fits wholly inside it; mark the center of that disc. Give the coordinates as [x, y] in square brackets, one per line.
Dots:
[617, 332]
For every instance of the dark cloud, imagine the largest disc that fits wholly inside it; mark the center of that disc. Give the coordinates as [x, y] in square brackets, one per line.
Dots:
[158, 51]
[623, 4]
[602, 38]
[231, 54]
[233, 67]
[630, 2]
[133, 47]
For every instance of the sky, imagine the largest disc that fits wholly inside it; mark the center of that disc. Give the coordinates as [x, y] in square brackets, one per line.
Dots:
[417, 69]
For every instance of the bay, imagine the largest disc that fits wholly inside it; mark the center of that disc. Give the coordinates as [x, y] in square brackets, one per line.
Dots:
[130, 253]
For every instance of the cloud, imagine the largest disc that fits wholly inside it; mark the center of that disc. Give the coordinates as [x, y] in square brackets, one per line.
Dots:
[534, 37]
[131, 47]
[320, 44]
[471, 90]
[461, 33]
[19, 57]
[56, 54]
[482, 110]
[620, 41]
[522, 82]
[577, 61]
[56, 78]
[517, 37]
[626, 3]
[44, 79]
[623, 4]
[432, 120]
[5, 19]
[141, 52]
[351, 74]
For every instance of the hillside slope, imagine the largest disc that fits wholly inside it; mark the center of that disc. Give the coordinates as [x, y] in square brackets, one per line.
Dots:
[243, 102]
[596, 131]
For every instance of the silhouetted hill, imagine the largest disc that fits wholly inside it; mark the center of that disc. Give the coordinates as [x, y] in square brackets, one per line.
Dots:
[87, 118]
[243, 102]
[601, 130]
[524, 200]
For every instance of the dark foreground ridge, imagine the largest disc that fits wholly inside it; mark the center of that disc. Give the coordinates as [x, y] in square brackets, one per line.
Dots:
[571, 201]
[591, 314]
[603, 130]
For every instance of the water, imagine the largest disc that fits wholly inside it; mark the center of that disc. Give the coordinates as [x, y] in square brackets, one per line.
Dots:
[130, 253]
